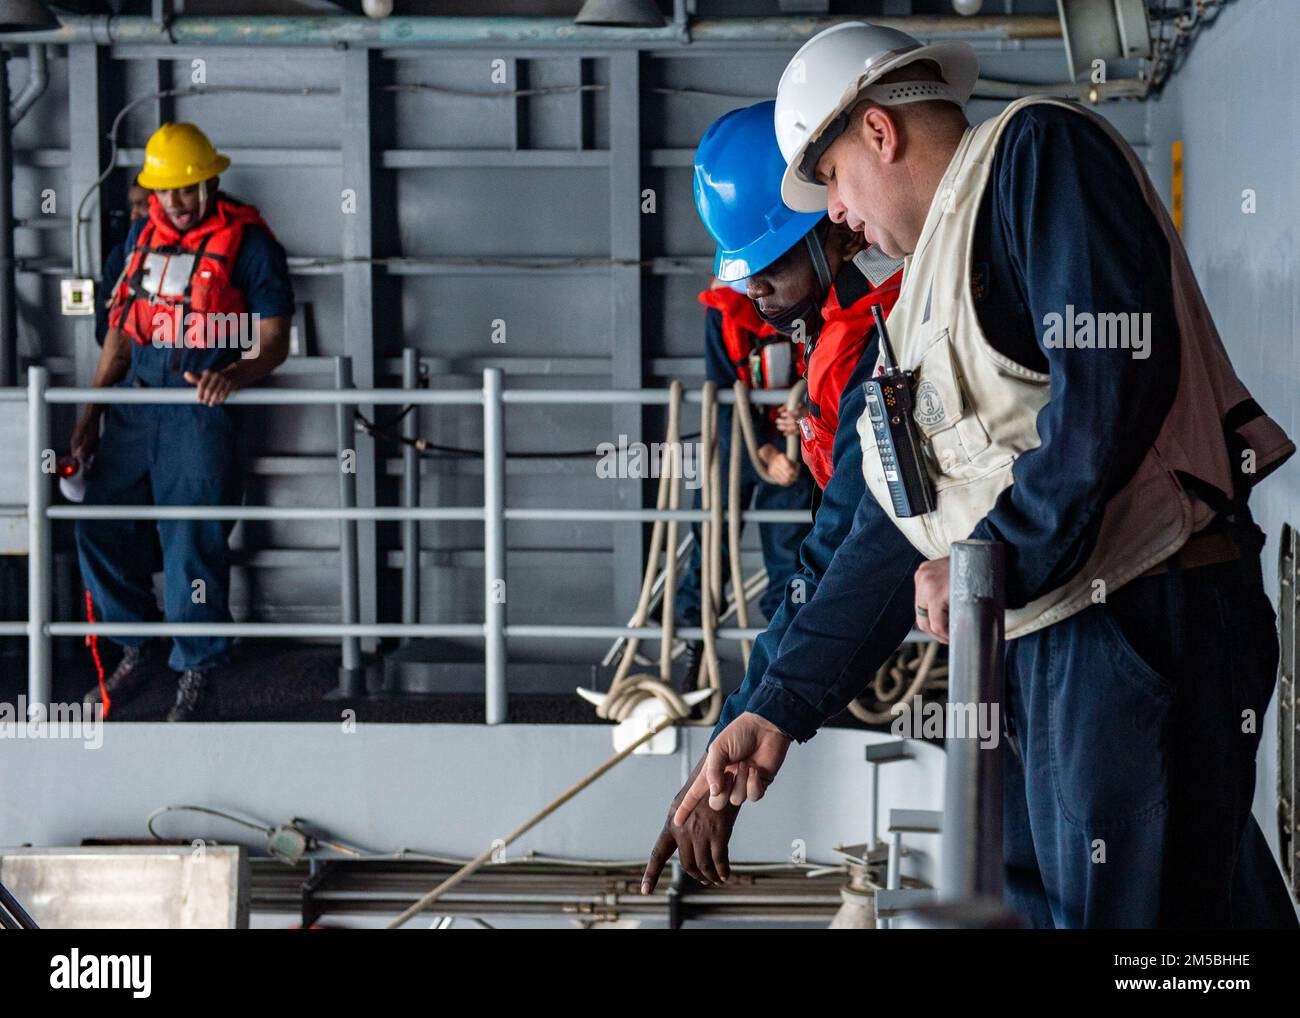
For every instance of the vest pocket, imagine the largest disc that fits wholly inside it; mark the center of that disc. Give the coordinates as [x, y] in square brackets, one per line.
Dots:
[952, 431]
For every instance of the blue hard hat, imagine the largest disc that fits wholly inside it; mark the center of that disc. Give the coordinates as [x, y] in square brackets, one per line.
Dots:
[738, 171]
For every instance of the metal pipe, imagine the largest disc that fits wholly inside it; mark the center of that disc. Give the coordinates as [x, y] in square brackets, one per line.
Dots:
[38, 79]
[39, 559]
[271, 397]
[321, 630]
[1119, 88]
[395, 514]
[494, 548]
[682, 20]
[8, 280]
[396, 32]
[410, 496]
[893, 875]
[873, 820]
[648, 515]
[766, 397]
[377, 630]
[351, 674]
[392, 397]
[254, 512]
[971, 845]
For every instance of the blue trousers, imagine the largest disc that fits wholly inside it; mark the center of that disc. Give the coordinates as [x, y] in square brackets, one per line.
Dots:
[780, 540]
[1129, 766]
[164, 455]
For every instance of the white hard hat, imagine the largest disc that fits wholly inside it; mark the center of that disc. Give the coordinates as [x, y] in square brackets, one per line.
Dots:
[831, 72]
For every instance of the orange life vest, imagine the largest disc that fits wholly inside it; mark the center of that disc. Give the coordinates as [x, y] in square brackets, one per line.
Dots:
[835, 356]
[170, 274]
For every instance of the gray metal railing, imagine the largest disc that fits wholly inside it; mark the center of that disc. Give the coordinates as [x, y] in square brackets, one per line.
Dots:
[971, 870]
[40, 628]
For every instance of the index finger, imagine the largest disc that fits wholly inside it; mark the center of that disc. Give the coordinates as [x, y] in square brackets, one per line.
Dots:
[696, 794]
[663, 850]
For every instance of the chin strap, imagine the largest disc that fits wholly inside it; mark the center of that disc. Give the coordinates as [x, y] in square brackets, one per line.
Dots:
[813, 241]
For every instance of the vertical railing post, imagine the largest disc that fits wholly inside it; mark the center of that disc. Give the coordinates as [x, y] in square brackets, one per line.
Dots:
[494, 548]
[972, 866]
[410, 497]
[39, 566]
[8, 301]
[351, 672]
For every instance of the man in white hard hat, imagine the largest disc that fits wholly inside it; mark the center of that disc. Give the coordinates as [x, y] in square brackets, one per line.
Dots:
[1073, 401]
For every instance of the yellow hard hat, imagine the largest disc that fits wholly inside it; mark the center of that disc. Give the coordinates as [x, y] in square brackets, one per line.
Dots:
[178, 155]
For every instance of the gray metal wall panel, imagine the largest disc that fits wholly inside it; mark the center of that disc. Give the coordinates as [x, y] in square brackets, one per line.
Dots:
[468, 212]
[545, 314]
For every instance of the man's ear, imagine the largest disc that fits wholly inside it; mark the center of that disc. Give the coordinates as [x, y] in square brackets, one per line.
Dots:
[878, 131]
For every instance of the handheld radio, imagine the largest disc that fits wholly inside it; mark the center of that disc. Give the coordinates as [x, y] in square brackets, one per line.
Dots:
[72, 477]
[889, 407]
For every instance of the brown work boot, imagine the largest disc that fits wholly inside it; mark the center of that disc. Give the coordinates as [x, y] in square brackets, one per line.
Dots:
[133, 672]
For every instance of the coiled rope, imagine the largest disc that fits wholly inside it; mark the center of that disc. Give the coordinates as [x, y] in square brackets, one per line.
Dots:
[626, 691]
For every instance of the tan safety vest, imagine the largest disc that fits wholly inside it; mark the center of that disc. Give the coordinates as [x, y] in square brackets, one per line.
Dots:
[976, 410]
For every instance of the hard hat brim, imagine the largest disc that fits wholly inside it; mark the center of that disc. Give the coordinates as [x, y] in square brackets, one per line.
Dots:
[738, 263]
[959, 66]
[164, 182]
[800, 195]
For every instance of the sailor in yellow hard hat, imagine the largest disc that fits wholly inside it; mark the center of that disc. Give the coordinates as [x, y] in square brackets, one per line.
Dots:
[204, 302]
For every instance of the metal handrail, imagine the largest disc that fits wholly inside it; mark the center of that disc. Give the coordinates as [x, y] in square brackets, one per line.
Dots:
[270, 396]
[40, 628]
[387, 514]
[971, 870]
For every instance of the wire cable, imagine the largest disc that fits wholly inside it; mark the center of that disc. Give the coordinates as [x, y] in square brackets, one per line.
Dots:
[454, 451]
[250, 824]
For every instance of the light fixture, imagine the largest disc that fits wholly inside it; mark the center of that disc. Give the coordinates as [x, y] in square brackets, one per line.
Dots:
[25, 16]
[627, 13]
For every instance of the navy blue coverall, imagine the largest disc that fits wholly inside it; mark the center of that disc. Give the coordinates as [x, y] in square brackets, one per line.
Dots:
[780, 540]
[175, 455]
[1129, 773]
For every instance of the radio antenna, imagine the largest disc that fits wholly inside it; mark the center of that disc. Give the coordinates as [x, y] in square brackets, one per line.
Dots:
[886, 349]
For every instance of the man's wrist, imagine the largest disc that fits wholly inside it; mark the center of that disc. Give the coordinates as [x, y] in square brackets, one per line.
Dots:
[792, 717]
[767, 725]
